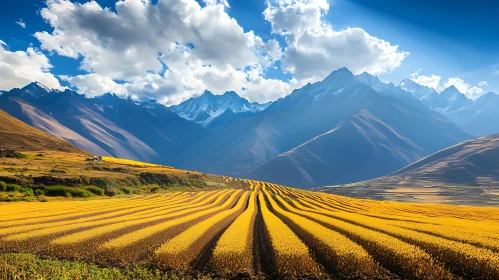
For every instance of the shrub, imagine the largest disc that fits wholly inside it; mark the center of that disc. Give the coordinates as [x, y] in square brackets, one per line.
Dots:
[127, 190]
[20, 155]
[27, 191]
[66, 191]
[155, 189]
[12, 188]
[103, 183]
[3, 186]
[95, 190]
[39, 192]
[111, 192]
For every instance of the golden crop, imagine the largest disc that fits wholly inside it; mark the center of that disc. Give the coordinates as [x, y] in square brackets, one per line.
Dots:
[135, 236]
[260, 228]
[128, 162]
[290, 254]
[179, 251]
[232, 253]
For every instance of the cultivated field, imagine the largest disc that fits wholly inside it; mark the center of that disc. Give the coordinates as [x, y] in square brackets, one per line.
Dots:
[259, 231]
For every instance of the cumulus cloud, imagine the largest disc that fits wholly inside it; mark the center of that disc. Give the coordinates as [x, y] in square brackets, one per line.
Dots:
[314, 48]
[295, 16]
[93, 85]
[21, 23]
[475, 91]
[483, 83]
[432, 81]
[23, 67]
[435, 81]
[470, 91]
[459, 83]
[171, 50]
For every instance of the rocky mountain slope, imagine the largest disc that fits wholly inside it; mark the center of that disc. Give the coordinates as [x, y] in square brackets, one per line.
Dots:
[18, 136]
[105, 125]
[281, 136]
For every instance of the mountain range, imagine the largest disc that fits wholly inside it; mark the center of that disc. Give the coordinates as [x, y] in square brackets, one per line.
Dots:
[215, 111]
[479, 117]
[343, 129]
[338, 130]
[16, 135]
[105, 125]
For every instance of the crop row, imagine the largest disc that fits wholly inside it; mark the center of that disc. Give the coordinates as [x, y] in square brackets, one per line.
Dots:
[262, 228]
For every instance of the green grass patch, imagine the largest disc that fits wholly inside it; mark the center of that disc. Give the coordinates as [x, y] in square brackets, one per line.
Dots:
[66, 191]
[96, 190]
[30, 267]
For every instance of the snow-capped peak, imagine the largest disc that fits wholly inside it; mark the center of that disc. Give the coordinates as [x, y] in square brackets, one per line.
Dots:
[36, 88]
[208, 104]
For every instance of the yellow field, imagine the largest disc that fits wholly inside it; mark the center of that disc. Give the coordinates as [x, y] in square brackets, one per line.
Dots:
[261, 230]
[128, 162]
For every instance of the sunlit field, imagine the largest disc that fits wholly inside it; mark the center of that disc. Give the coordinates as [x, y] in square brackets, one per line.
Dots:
[262, 230]
[128, 162]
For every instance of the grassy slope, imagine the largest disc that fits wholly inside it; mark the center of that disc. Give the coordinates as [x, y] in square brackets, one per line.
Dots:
[40, 170]
[15, 134]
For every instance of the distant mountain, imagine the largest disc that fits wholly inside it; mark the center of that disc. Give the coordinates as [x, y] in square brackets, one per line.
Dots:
[451, 99]
[217, 122]
[16, 135]
[391, 90]
[479, 117]
[208, 107]
[467, 173]
[105, 125]
[358, 148]
[297, 133]
[423, 93]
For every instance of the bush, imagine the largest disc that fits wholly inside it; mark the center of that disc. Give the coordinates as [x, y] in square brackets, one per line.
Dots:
[66, 191]
[20, 155]
[3, 186]
[27, 191]
[111, 192]
[155, 189]
[12, 188]
[103, 183]
[95, 190]
[127, 190]
[39, 192]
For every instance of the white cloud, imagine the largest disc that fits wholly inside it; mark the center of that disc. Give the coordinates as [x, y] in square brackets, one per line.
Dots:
[459, 83]
[475, 91]
[173, 49]
[94, 85]
[315, 48]
[21, 23]
[215, 2]
[470, 91]
[170, 50]
[20, 68]
[435, 82]
[295, 16]
[432, 81]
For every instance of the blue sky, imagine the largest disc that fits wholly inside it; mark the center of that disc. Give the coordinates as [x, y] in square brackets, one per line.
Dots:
[449, 42]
